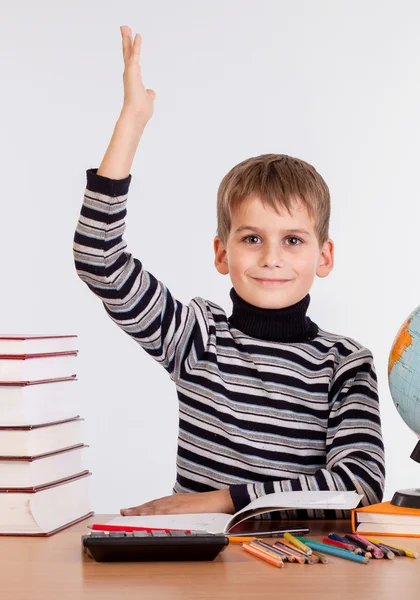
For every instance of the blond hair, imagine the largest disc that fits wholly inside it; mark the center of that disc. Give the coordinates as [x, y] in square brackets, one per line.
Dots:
[278, 180]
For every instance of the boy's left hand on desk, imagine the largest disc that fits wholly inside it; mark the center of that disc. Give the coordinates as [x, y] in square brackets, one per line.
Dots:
[218, 501]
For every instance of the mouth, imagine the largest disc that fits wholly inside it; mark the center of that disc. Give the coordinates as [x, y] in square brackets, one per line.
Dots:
[271, 282]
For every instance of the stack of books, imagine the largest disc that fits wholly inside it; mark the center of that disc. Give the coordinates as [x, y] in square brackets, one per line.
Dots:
[43, 485]
[385, 518]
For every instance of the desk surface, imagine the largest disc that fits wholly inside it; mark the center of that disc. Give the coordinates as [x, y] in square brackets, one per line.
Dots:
[56, 569]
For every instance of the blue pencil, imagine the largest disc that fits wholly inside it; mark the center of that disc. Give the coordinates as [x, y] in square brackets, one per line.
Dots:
[327, 549]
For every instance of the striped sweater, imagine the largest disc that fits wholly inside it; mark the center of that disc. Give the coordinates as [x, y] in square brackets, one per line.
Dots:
[258, 413]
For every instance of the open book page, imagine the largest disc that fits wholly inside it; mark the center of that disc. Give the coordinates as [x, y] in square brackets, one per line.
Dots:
[219, 522]
[291, 500]
[211, 522]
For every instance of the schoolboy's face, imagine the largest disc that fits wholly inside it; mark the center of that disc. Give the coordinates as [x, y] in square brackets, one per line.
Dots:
[272, 258]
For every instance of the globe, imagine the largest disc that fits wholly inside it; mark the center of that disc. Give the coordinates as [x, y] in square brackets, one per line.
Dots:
[404, 385]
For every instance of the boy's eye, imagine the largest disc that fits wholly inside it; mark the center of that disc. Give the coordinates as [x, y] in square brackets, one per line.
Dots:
[294, 241]
[251, 239]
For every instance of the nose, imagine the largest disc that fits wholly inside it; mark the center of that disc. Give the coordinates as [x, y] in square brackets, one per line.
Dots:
[271, 256]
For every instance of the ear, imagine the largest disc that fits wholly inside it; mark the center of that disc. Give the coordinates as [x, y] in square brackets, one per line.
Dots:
[326, 259]
[220, 256]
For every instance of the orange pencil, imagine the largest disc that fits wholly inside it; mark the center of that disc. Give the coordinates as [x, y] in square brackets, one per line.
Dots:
[277, 551]
[277, 562]
[271, 550]
[309, 559]
[300, 557]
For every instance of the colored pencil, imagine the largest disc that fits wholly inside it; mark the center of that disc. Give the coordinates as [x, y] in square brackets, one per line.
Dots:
[327, 549]
[376, 552]
[298, 557]
[277, 562]
[387, 552]
[338, 544]
[410, 553]
[339, 538]
[388, 548]
[306, 557]
[264, 546]
[322, 558]
[366, 545]
[296, 542]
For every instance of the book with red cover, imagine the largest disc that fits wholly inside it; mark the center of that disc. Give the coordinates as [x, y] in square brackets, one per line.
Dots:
[20, 472]
[385, 518]
[30, 440]
[47, 509]
[33, 403]
[20, 368]
[36, 343]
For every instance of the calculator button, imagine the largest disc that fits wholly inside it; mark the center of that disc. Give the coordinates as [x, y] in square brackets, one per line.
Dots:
[116, 534]
[140, 534]
[159, 534]
[178, 533]
[97, 534]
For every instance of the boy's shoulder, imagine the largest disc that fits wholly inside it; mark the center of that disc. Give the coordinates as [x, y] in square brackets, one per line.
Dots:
[344, 346]
[209, 306]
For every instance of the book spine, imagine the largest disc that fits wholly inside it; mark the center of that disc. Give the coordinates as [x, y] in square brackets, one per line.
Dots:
[353, 520]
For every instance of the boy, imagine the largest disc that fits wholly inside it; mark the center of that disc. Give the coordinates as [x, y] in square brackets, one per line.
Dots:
[268, 401]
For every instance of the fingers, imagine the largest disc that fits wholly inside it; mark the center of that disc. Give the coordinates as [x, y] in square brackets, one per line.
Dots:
[141, 510]
[131, 49]
[126, 41]
[136, 47]
[130, 512]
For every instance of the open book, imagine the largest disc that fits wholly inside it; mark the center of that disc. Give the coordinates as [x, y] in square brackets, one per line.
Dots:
[224, 523]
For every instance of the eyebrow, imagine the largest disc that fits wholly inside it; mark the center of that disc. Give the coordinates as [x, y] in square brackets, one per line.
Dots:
[285, 231]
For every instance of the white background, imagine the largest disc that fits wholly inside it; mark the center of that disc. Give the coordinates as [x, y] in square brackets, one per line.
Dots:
[335, 83]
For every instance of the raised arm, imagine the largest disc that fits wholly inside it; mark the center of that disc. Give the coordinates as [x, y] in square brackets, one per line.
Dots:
[136, 112]
[140, 304]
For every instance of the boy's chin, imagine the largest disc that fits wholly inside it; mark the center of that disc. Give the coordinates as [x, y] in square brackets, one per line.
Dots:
[270, 298]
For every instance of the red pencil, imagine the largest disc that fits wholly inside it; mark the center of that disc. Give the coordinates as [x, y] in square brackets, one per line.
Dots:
[338, 544]
[105, 527]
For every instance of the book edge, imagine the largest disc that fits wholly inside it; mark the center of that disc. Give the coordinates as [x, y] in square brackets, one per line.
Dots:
[46, 486]
[54, 531]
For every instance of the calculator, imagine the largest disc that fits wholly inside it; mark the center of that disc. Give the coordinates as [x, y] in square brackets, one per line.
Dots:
[159, 545]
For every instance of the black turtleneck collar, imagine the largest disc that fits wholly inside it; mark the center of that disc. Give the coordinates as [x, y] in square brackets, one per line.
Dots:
[288, 324]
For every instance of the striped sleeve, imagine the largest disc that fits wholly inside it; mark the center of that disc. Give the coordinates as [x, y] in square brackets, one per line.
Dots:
[135, 300]
[354, 446]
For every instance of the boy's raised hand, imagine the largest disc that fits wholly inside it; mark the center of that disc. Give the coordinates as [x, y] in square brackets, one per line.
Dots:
[138, 101]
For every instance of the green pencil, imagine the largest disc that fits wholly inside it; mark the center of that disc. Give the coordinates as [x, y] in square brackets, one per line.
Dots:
[340, 552]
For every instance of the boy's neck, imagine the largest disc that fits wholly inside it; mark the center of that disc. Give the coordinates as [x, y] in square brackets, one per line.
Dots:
[288, 324]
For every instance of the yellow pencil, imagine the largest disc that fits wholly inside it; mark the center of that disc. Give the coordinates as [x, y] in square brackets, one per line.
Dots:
[298, 543]
[410, 553]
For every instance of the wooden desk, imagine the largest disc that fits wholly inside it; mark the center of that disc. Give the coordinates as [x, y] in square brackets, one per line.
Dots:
[56, 569]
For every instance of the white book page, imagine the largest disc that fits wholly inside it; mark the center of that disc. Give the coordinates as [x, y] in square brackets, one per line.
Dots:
[284, 500]
[391, 528]
[388, 518]
[211, 522]
[321, 499]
